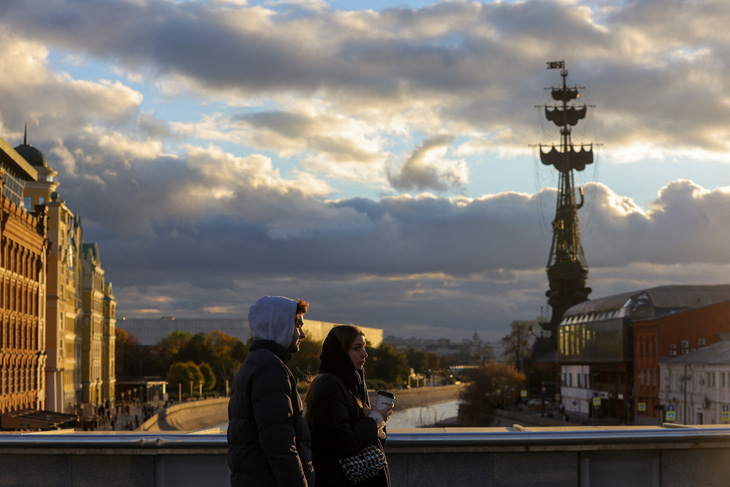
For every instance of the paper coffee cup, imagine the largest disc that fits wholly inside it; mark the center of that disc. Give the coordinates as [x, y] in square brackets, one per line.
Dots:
[384, 400]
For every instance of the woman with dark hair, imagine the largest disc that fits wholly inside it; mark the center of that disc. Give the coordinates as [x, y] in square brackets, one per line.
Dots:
[338, 410]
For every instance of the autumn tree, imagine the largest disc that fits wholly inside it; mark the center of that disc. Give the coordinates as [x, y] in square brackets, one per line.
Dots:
[208, 376]
[171, 345]
[184, 374]
[417, 360]
[491, 385]
[197, 349]
[125, 346]
[132, 359]
[387, 365]
[223, 354]
[229, 353]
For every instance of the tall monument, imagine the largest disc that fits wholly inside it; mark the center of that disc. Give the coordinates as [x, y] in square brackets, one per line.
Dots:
[567, 268]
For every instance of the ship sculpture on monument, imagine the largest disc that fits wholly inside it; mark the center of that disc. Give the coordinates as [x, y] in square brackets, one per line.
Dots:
[567, 268]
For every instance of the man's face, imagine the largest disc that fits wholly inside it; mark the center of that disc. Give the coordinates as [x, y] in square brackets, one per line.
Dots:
[298, 335]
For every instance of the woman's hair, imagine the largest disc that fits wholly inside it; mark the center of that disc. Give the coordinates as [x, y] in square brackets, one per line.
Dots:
[346, 335]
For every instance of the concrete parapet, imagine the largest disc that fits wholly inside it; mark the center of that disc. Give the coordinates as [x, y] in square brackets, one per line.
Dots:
[490, 457]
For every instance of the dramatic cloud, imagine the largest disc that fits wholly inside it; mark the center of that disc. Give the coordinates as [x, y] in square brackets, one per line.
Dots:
[220, 150]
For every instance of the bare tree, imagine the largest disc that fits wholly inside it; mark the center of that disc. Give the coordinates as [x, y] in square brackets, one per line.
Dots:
[516, 345]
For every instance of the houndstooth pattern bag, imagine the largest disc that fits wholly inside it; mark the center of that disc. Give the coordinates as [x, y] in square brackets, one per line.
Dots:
[367, 463]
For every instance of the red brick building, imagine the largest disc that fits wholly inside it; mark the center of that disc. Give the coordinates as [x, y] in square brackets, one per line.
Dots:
[668, 336]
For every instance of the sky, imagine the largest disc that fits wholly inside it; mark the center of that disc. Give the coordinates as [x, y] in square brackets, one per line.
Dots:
[378, 158]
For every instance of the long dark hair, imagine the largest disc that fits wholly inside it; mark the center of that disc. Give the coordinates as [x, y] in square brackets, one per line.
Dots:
[335, 359]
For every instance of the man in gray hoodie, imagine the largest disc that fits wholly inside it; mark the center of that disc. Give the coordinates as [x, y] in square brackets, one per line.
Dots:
[269, 443]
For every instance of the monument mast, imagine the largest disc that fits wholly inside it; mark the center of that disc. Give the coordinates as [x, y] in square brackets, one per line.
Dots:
[567, 268]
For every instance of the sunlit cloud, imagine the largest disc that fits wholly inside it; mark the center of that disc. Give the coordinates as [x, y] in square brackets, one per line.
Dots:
[374, 160]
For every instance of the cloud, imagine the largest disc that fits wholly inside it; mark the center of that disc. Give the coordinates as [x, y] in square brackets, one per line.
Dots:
[428, 169]
[54, 104]
[218, 151]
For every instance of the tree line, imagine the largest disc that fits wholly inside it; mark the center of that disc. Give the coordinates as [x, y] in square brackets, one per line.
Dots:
[212, 360]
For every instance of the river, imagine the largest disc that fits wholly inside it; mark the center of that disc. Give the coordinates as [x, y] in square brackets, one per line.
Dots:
[414, 417]
[422, 416]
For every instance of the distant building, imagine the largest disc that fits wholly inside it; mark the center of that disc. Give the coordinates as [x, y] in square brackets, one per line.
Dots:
[97, 330]
[696, 385]
[23, 249]
[596, 346]
[151, 331]
[466, 352]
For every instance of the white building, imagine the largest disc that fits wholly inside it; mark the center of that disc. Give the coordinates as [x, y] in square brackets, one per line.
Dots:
[575, 391]
[697, 385]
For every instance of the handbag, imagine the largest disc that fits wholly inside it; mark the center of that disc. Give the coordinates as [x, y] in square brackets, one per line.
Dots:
[367, 463]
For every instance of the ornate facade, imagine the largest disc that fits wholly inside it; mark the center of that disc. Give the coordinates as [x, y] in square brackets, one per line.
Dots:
[23, 247]
[63, 283]
[76, 305]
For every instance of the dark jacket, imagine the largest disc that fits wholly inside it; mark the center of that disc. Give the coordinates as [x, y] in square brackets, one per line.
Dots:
[339, 429]
[268, 439]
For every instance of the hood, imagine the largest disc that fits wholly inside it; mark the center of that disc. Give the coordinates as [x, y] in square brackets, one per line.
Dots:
[273, 318]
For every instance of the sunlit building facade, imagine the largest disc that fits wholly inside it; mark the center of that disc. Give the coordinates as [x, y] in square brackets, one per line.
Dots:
[79, 305]
[92, 325]
[63, 285]
[23, 248]
[108, 338]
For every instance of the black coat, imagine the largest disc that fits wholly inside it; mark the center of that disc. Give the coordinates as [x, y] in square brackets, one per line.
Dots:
[269, 443]
[339, 429]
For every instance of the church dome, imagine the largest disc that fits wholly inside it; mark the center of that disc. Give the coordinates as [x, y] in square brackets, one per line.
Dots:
[32, 155]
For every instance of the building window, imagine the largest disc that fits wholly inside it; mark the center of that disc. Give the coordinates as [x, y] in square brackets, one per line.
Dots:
[28, 202]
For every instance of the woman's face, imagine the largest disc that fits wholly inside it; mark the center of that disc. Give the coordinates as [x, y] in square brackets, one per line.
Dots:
[358, 353]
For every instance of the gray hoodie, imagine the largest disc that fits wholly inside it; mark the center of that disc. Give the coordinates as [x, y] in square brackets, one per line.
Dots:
[273, 318]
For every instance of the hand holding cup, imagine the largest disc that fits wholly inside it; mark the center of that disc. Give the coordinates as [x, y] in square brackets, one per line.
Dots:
[384, 403]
